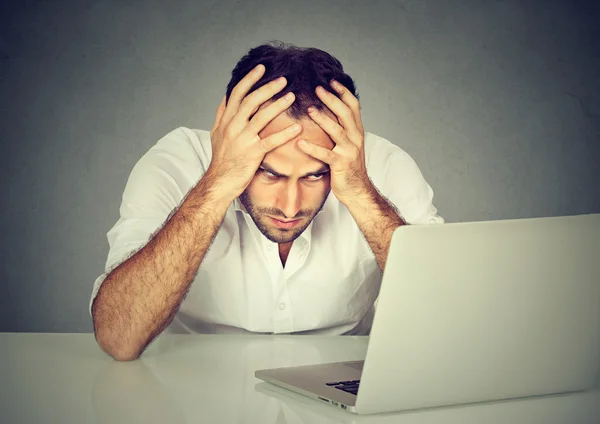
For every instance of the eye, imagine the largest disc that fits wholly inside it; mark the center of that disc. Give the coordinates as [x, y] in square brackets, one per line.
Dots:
[267, 173]
[315, 177]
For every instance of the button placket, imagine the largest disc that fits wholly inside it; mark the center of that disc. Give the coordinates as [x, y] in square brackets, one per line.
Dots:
[283, 319]
[297, 258]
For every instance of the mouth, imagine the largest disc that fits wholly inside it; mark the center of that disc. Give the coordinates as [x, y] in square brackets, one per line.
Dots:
[284, 224]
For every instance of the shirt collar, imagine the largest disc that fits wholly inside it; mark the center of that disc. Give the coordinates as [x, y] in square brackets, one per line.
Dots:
[237, 205]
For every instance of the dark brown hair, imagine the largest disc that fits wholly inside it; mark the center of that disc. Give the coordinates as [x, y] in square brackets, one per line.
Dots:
[304, 69]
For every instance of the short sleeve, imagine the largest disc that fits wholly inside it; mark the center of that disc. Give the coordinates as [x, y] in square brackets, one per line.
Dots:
[156, 186]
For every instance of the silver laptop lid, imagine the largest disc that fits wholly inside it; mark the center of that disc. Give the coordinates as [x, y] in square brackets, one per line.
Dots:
[479, 311]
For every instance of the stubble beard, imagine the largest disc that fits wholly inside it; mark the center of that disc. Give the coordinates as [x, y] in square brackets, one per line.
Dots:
[277, 235]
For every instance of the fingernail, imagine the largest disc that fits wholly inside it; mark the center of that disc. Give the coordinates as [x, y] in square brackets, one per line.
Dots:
[258, 68]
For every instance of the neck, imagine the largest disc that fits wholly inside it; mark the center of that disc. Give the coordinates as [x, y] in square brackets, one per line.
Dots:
[284, 250]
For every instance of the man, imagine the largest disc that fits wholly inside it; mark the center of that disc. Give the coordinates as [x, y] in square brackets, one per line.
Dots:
[278, 221]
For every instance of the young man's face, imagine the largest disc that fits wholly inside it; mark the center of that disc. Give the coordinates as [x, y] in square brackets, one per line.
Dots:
[289, 184]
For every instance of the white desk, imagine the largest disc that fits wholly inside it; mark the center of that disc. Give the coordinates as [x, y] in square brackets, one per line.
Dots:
[66, 378]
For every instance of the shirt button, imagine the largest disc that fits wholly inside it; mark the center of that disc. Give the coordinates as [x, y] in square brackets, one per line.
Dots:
[282, 306]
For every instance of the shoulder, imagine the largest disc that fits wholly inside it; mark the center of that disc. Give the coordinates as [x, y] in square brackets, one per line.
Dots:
[185, 144]
[383, 157]
[173, 164]
[182, 150]
[376, 145]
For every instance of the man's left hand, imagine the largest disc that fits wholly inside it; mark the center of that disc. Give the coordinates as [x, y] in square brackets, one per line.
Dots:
[347, 159]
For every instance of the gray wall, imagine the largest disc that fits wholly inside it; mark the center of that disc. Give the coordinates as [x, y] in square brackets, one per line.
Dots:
[497, 101]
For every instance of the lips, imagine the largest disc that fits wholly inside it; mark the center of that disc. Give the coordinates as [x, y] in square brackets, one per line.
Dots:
[283, 224]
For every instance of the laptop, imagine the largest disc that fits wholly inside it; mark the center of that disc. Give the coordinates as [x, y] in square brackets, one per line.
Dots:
[473, 312]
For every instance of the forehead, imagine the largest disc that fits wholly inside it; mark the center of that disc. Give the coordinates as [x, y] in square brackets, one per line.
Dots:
[288, 158]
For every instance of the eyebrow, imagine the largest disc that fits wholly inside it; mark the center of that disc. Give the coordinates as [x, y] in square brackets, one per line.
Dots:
[322, 170]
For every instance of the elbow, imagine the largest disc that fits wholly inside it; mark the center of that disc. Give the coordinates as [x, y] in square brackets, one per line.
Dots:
[124, 355]
[119, 351]
[114, 344]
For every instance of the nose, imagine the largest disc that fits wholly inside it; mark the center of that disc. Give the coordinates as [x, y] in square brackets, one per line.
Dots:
[289, 200]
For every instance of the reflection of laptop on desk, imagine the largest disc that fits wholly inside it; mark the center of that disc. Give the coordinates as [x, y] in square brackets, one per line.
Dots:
[472, 312]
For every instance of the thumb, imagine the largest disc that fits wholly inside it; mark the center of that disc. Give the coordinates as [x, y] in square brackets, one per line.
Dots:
[219, 115]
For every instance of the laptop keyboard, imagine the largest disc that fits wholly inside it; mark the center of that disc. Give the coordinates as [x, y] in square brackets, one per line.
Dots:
[350, 386]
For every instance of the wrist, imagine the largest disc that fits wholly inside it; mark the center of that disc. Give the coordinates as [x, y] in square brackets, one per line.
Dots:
[209, 194]
[219, 186]
[361, 195]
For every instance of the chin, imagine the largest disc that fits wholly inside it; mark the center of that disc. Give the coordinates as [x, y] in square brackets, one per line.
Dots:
[279, 235]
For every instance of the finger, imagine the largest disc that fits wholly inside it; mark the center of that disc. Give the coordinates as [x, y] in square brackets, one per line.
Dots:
[343, 112]
[261, 119]
[239, 92]
[349, 99]
[279, 138]
[318, 152]
[219, 115]
[335, 130]
[253, 102]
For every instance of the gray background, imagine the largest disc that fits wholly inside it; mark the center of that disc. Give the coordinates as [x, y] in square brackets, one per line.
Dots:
[497, 101]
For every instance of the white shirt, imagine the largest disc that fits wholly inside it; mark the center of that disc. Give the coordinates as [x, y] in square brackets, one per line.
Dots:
[330, 280]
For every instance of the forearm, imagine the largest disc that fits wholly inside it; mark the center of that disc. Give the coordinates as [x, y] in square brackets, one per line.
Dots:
[377, 219]
[140, 297]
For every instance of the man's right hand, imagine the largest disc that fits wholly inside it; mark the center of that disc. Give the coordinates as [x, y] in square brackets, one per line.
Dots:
[237, 149]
